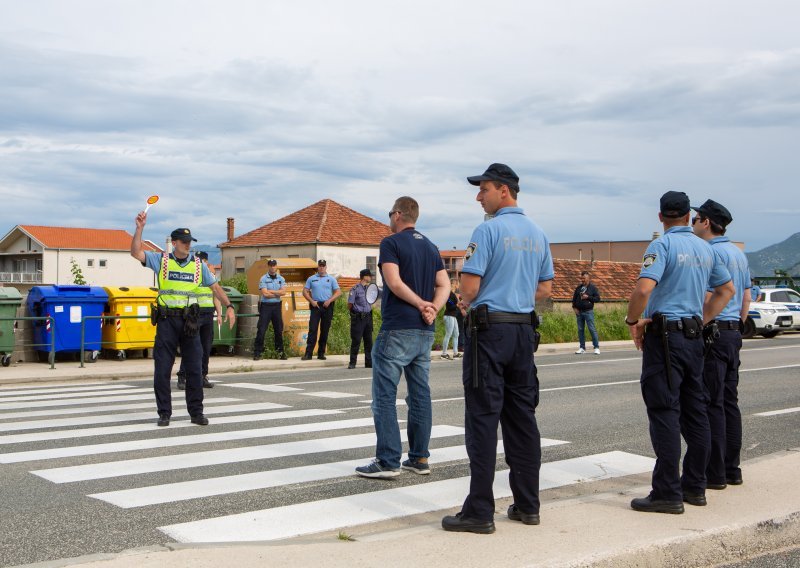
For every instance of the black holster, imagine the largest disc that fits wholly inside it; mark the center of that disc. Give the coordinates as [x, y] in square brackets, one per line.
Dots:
[191, 320]
[710, 335]
[155, 314]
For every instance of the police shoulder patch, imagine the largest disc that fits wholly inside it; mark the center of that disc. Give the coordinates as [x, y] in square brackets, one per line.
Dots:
[470, 250]
[648, 260]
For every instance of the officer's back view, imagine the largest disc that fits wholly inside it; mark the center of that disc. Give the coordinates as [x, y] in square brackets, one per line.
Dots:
[676, 271]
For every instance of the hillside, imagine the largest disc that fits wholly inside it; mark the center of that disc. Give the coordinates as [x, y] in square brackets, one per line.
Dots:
[784, 255]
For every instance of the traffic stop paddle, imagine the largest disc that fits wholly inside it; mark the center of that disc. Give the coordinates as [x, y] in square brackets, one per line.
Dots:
[152, 200]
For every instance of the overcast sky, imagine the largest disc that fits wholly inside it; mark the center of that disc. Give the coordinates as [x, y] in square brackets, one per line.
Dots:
[255, 109]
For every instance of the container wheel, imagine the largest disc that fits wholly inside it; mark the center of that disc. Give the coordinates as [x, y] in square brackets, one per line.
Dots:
[92, 356]
[121, 356]
[6, 360]
[230, 349]
[145, 354]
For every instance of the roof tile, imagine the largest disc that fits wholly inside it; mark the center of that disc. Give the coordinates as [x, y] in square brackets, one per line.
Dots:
[80, 238]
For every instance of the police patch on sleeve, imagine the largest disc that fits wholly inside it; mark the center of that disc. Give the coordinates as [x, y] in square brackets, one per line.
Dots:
[648, 260]
[470, 250]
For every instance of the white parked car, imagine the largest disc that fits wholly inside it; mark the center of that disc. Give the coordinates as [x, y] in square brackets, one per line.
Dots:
[786, 296]
[767, 319]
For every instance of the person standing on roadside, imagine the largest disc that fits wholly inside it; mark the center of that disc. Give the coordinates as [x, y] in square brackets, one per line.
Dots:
[451, 322]
[721, 365]
[415, 287]
[666, 316]
[584, 298]
[271, 287]
[360, 320]
[321, 291]
[508, 268]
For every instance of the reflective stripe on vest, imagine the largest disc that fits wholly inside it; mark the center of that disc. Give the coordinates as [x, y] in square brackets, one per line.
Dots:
[178, 286]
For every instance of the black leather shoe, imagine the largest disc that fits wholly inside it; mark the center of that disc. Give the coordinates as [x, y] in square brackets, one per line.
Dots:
[734, 481]
[368, 366]
[351, 366]
[163, 419]
[716, 486]
[207, 384]
[321, 357]
[257, 357]
[527, 518]
[181, 382]
[306, 357]
[649, 505]
[696, 499]
[200, 420]
[282, 356]
[460, 523]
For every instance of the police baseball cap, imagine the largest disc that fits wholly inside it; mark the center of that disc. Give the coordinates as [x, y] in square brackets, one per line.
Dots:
[182, 234]
[674, 204]
[365, 272]
[202, 255]
[322, 262]
[272, 262]
[716, 212]
[497, 172]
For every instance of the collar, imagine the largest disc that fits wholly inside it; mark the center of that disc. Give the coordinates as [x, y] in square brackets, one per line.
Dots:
[509, 210]
[679, 229]
[719, 239]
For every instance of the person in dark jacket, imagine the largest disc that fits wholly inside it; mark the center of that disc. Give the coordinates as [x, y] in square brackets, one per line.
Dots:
[583, 300]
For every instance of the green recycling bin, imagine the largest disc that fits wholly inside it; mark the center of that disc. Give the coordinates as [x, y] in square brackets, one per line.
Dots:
[10, 300]
[224, 337]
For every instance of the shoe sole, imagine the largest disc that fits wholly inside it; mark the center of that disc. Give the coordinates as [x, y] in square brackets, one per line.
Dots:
[696, 503]
[671, 511]
[488, 530]
[162, 425]
[523, 521]
[379, 474]
[415, 470]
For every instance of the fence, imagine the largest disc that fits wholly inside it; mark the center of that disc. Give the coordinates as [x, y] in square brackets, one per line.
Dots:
[49, 319]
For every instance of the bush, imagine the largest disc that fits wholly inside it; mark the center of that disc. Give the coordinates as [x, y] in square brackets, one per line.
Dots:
[238, 281]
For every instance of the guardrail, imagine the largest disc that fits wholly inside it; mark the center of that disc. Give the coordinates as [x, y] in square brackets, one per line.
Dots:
[52, 354]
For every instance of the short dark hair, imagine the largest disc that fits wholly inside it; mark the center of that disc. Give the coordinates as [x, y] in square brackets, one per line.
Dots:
[408, 209]
[586, 273]
[716, 229]
[512, 190]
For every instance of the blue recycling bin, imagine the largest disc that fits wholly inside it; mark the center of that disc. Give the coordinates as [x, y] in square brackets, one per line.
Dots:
[67, 305]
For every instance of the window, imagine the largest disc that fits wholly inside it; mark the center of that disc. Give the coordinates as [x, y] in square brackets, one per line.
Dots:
[238, 264]
[372, 264]
[779, 297]
[103, 262]
[38, 264]
[294, 256]
[793, 296]
[90, 262]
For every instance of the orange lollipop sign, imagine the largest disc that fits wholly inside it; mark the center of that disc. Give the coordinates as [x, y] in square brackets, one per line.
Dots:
[152, 200]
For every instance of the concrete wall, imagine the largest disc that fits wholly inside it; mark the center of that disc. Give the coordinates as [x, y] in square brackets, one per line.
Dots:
[252, 254]
[121, 268]
[347, 261]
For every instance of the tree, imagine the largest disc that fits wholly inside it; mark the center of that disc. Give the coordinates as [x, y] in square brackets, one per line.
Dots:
[77, 275]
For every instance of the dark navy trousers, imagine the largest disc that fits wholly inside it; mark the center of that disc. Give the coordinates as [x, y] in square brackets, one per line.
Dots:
[320, 319]
[169, 335]
[721, 378]
[269, 312]
[674, 410]
[206, 333]
[361, 328]
[508, 394]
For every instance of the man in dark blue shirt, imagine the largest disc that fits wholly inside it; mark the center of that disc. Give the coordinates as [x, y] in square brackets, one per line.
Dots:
[415, 287]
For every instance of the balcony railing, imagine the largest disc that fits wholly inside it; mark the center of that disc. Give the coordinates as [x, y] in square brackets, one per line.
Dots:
[21, 277]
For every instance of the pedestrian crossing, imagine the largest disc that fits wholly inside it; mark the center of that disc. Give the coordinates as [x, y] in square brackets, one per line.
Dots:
[100, 447]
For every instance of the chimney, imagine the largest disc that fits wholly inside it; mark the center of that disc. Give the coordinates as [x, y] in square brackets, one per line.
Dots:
[230, 228]
[168, 245]
[656, 234]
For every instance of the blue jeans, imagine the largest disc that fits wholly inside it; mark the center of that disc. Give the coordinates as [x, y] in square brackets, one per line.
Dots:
[397, 351]
[587, 317]
[450, 330]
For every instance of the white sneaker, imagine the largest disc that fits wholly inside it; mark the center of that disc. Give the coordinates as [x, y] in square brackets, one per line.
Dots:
[597, 351]
[580, 351]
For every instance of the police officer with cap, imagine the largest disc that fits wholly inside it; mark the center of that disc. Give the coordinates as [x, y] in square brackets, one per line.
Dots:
[676, 270]
[360, 320]
[321, 291]
[208, 306]
[271, 286]
[721, 368]
[507, 269]
[180, 275]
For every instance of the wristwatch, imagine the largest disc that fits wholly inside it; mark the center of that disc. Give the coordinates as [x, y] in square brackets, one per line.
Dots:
[630, 322]
[228, 306]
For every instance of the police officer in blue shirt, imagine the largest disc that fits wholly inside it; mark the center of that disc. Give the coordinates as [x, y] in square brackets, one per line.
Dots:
[508, 268]
[321, 291]
[177, 317]
[271, 287]
[721, 368]
[360, 320]
[671, 291]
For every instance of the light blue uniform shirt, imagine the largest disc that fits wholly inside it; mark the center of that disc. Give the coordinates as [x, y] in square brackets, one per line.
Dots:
[683, 266]
[322, 287]
[736, 263]
[271, 284]
[152, 260]
[755, 292]
[511, 254]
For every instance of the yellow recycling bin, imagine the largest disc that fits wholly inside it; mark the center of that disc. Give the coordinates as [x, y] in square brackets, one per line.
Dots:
[122, 334]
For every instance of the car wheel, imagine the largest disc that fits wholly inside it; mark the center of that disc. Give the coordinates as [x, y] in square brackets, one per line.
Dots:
[770, 334]
[749, 329]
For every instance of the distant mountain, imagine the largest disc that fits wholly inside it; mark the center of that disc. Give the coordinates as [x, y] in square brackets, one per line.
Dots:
[214, 254]
[784, 256]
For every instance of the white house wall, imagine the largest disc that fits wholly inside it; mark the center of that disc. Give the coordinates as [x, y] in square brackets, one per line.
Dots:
[347, 261]
[121, 268]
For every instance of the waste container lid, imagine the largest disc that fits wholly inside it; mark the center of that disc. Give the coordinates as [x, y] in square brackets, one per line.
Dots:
[115, 292]
[233, 294]
[84, 294]
[9, 295]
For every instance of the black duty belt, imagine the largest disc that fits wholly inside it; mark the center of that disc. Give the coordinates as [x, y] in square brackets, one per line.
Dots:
[732, 324]
[509, 317]
[677, 325]
[174, 312]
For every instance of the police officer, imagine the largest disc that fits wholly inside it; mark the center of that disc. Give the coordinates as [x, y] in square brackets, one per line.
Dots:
[179, 276]
[321, 291]
[271, 286]
[360, 320]
[208, 306]
[508, 268]
[676, 270]
[721, 368]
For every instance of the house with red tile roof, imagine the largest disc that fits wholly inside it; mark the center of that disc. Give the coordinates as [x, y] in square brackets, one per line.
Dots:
[32, 255]
[345, 238]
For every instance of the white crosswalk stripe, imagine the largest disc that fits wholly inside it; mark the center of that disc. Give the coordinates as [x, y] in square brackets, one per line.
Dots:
[76, 389]
[68, 396]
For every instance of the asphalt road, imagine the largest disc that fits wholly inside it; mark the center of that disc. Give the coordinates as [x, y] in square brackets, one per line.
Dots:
[591, 402]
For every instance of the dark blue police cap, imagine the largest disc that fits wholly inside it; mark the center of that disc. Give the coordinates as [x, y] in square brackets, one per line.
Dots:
[182, 234]
[497, 172]
[674, 204]
[716, 212]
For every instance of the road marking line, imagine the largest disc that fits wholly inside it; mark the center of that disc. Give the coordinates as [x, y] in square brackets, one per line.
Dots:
[778, 412]
[75, 401]
[134, 416]
[768, 368]
[260, 387]
[187, 440]
[587, 362]
[225, 485]
[589, 386]
[217, 457]
[67, 396]
[50, 390]
[307, 518]
[6, 389]
[331, 394]
[151, 427]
